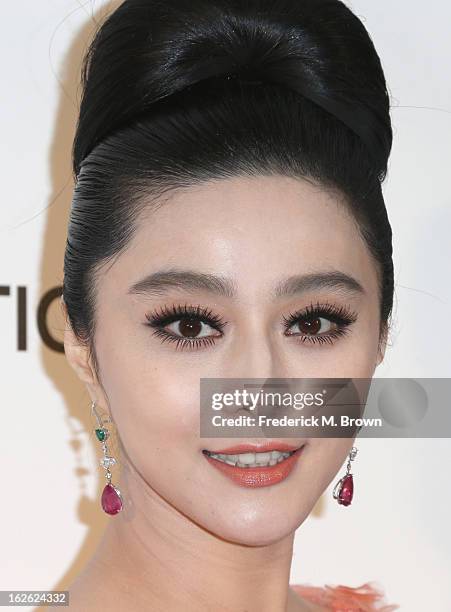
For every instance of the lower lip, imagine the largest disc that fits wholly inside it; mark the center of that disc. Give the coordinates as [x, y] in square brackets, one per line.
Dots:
[259, 476]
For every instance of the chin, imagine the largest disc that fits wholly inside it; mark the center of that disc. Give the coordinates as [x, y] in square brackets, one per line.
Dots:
[256, 526]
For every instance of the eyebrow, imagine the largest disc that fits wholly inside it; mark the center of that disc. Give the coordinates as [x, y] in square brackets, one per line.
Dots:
[158, 283]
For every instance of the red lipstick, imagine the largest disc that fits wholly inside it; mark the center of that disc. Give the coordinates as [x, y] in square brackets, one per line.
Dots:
[256, 476]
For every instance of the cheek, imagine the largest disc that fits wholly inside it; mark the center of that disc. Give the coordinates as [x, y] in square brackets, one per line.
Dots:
[362, 350]
[155, 408]
[330, 454]
[356, 355]
[351, 357]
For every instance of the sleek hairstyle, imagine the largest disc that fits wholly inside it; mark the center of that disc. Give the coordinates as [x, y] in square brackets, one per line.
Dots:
[177, 92]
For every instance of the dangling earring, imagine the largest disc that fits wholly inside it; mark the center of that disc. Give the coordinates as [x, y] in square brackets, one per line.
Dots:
[344, 489]
[111, 500]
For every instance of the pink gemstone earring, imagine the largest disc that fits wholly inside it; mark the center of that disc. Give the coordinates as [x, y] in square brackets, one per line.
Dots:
[111, 500]
[344, 489]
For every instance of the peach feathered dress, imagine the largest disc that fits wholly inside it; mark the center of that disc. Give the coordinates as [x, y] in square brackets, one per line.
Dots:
[365, 598]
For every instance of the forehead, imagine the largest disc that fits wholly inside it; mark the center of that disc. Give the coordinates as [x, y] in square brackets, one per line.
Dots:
[252, 229]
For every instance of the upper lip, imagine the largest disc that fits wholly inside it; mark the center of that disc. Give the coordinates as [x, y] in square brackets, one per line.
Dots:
[255, 448]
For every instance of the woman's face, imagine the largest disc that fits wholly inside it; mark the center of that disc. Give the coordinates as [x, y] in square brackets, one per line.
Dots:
[255, 233]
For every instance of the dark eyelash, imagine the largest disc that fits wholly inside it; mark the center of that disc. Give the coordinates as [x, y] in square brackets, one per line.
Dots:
[339, 315]
[168, 315]
[165, 316]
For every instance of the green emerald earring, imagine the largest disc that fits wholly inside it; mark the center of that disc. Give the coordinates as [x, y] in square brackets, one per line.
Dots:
[111, 500]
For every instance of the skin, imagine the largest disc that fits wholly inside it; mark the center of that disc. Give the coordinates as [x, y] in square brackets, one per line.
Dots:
[188, 538]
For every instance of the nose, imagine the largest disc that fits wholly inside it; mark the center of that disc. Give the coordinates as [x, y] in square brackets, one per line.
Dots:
[255, 356]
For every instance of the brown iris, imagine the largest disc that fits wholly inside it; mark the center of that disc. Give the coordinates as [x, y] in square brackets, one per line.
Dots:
[310, 327]
[190, 327]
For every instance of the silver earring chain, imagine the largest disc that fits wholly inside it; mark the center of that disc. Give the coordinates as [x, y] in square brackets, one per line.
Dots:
[352, 456]
[107, 460]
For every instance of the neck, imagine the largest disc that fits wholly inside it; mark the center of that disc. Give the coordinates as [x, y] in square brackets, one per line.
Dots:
[153, 557]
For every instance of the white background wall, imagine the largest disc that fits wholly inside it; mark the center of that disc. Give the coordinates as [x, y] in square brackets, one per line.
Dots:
[397, 531]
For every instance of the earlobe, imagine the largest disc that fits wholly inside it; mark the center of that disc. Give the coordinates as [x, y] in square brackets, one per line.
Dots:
[63, 308]
[77, 355]
[382, 346]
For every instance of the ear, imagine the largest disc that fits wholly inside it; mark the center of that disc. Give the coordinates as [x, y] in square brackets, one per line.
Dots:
[78, 356]
[382, 344]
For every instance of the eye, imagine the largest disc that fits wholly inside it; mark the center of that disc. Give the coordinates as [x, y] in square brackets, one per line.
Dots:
[187, 326]
[312, 326]
[320, 323]
[191, 327]
[196, 327]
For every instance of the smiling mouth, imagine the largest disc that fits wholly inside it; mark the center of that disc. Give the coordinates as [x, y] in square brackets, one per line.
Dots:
[252, 460]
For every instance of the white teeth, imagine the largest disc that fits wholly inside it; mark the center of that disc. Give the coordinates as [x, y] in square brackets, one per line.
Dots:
[253, 459]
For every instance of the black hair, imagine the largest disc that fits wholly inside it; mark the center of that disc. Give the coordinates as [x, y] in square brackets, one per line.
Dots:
[177, 92]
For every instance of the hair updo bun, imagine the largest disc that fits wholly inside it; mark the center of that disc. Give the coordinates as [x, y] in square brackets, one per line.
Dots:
[149, 50]
[177, 92]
